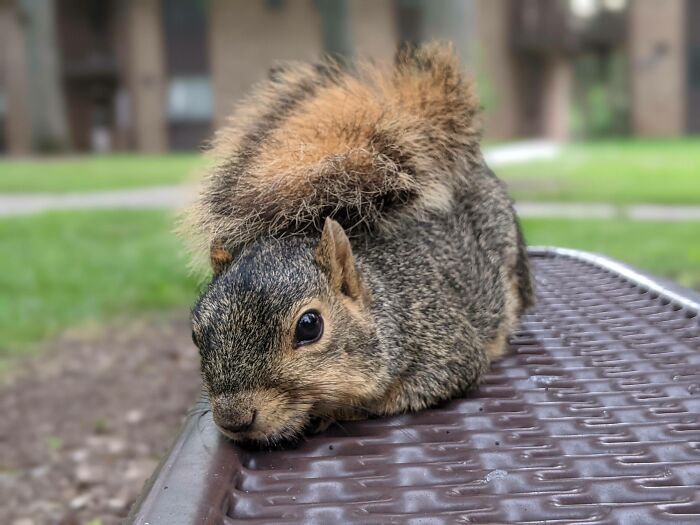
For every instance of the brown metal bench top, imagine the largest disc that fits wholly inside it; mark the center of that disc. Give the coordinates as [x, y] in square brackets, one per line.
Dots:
[594, 417]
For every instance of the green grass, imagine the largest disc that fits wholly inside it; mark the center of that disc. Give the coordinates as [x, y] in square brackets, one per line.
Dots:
[622, 171]
[67, 268]
[63, 269]
[666, 249]
[94, 173]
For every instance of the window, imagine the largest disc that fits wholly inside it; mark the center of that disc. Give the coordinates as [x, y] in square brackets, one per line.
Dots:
[190, 99]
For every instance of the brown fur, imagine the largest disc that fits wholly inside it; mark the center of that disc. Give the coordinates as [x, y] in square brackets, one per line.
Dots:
[334, 254]
[351, 144]
[219, 257]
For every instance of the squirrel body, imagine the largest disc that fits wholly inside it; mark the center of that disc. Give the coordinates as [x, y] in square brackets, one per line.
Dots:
[366, 260]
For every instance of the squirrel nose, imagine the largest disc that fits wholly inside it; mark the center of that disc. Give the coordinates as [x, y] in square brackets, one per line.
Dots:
[239, 423]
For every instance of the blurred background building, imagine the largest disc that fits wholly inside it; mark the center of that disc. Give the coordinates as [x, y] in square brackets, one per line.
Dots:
[158, 75]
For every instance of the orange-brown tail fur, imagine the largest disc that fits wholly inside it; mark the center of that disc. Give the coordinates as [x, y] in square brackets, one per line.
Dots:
[362, 145]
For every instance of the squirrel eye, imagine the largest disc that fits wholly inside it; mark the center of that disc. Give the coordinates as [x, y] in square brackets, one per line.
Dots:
[309, 328]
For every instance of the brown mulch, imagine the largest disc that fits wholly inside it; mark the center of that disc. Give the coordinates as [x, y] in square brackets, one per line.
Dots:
[84, 424]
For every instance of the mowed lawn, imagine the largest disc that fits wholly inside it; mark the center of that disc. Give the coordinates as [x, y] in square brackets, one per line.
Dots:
[667, 249]
[96, 173]
[619, 172]
[66, 268]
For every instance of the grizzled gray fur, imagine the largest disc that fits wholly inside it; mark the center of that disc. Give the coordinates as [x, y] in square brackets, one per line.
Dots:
[331, 313]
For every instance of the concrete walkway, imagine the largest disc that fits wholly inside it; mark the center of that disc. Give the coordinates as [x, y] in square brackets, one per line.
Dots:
[523, 151]
[634, 212]
[155, 197]
[173, 197]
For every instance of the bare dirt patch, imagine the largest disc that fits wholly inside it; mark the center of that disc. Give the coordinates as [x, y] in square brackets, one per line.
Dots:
[85, 423]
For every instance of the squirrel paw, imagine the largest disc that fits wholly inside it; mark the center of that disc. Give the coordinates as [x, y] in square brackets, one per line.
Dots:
[318, 425]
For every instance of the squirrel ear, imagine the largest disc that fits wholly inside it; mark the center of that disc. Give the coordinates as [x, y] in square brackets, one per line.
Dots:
[220, 257]
[334, 255]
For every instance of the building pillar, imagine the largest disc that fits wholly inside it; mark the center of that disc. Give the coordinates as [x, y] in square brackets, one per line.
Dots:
[13, 80]
[45, 84]
[657, 48]
[146, 70]
[558, 99]
[497, 71]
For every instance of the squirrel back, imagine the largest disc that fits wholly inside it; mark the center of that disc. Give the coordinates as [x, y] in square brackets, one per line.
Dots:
[364, 145]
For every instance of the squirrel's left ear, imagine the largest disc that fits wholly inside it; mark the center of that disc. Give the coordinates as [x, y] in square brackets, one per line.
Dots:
[220, 257]
[334, 255]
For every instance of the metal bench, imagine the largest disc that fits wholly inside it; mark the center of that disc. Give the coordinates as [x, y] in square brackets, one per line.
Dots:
[593, 417]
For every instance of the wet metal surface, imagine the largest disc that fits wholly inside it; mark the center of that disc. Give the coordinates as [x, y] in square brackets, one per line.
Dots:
[593, 417]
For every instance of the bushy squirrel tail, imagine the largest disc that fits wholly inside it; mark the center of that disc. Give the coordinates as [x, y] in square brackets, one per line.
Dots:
[362, 144]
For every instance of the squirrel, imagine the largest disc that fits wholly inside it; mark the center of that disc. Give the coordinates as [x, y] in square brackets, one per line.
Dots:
[366, 262]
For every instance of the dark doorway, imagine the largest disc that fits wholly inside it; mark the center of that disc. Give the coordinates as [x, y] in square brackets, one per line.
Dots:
[88, 36]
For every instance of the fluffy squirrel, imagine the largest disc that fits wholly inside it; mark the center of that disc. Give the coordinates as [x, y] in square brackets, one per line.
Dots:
[366, 261]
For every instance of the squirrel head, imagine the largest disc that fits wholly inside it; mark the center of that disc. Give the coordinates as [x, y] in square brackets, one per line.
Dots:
[284, 334]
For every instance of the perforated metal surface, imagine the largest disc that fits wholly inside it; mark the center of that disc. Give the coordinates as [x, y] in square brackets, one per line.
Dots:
[594, 417]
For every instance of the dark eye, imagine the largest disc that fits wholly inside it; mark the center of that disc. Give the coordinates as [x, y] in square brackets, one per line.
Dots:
[309, 328]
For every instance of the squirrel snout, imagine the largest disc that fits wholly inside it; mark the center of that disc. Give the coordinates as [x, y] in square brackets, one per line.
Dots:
[256, 414]
[235, 419]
